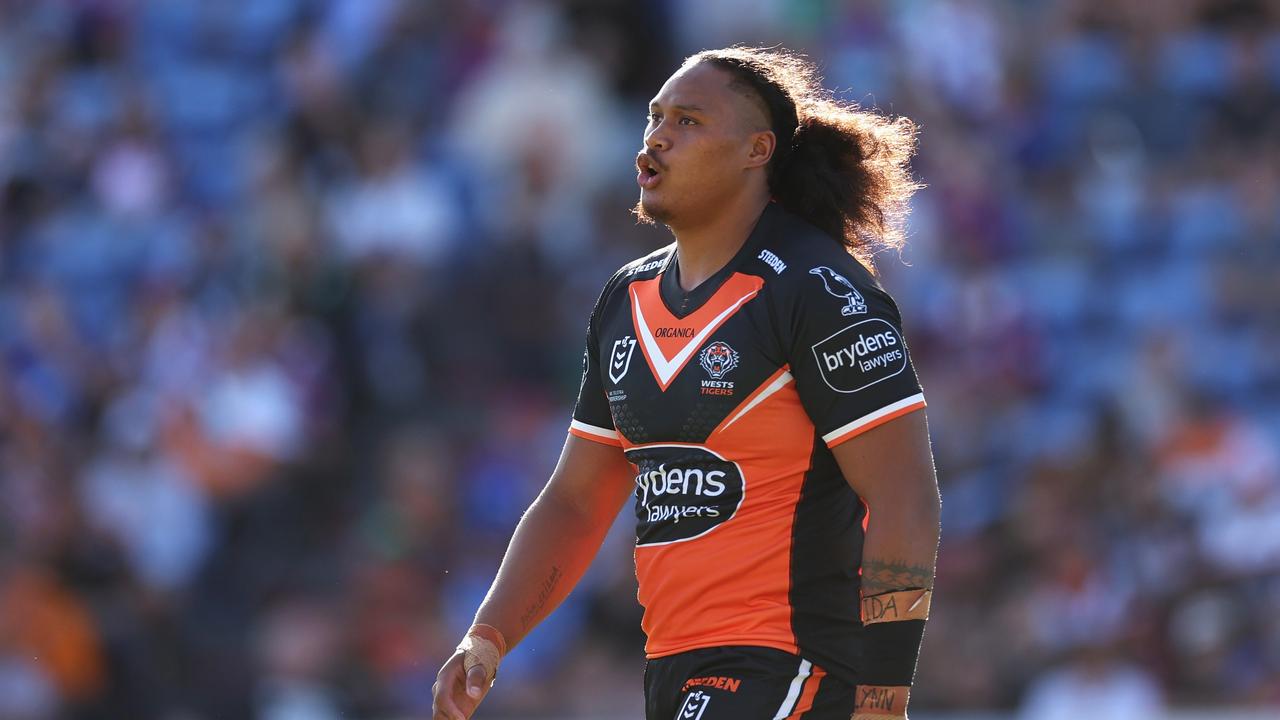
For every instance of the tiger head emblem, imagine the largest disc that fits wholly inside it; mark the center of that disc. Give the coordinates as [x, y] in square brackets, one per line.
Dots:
[718, 359]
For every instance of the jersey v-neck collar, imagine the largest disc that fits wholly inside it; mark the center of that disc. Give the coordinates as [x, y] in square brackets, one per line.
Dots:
[682, 304]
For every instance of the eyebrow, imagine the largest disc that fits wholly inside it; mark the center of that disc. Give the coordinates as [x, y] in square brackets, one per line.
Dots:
[686, 108]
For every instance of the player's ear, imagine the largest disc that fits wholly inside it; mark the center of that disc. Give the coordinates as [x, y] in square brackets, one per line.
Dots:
[761, 148]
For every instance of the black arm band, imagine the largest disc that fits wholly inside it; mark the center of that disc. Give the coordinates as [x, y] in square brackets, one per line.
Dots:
[890, 650]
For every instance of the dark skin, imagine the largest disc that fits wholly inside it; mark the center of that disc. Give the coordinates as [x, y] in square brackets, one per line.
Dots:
[711, 143]
[551, 549]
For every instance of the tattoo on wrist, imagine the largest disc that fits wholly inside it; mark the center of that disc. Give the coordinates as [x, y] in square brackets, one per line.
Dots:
[544, 594]
[879, 576]
[881, 701]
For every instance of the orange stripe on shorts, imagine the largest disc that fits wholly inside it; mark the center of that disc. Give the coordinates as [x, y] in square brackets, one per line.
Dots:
[805, 703]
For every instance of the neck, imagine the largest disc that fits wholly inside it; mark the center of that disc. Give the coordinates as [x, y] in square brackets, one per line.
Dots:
[706, 247]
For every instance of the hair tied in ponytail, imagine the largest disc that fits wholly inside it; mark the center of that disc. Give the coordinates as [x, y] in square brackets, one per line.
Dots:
[843, 169]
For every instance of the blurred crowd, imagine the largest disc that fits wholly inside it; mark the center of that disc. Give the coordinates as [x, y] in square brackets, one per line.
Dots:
[293, 292]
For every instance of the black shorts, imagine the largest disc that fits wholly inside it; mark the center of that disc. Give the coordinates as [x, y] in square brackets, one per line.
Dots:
[742, 683]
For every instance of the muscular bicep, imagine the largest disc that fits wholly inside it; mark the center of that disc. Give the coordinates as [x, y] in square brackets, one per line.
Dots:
[891, 468]
[890, 461]
[593, 478]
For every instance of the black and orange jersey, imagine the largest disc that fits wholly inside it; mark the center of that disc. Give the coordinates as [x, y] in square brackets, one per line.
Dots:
[727, 400]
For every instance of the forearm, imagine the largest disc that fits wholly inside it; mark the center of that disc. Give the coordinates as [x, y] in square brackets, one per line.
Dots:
[901, 546]
[899, 559]
[552, 547]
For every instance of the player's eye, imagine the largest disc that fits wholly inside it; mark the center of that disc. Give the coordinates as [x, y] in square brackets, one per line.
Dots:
[654, 117]
[686, 120]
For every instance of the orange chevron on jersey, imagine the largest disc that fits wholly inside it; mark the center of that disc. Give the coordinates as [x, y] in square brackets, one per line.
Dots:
[669, 342]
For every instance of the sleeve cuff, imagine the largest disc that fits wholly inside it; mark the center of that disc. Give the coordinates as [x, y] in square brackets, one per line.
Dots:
[606, 436]
[851, 430]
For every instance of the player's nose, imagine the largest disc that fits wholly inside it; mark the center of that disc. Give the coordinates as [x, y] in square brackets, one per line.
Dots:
[657, 140]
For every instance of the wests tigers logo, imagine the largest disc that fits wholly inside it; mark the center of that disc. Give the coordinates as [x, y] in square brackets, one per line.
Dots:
[718, 359]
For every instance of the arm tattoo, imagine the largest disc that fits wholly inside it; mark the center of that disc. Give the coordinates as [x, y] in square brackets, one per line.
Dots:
[544, 593]
[879, 577]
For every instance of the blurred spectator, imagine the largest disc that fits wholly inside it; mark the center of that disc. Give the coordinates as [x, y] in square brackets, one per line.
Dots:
[1096, 685]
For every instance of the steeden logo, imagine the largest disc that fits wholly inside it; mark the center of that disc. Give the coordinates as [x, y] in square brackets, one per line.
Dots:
[772, 261]
[719, 682]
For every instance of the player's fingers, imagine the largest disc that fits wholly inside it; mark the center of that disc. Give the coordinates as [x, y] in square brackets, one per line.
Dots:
[449, 683]
[477, 681]
[444, 708]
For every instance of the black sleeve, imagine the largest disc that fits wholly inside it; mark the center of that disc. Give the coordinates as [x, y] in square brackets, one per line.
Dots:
[592, 418]
[848, 353]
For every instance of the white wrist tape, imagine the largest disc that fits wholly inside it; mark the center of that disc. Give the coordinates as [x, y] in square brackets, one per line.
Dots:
[484, 646]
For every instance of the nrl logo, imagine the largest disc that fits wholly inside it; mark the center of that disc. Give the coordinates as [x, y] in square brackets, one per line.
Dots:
[840, 286]
[620, 358]
[718, 359]
[694, 705]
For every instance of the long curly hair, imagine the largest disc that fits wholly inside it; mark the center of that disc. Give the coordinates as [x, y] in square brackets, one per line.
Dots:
[843, 168]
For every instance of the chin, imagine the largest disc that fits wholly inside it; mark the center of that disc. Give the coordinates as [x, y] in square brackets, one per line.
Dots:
[651, 213]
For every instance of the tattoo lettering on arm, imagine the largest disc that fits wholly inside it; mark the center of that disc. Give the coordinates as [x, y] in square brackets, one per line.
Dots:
[879, 577]
[877, 697]
[881, 702]
[544, 593]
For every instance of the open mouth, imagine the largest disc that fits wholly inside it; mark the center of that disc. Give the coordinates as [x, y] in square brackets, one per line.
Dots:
[648, 174]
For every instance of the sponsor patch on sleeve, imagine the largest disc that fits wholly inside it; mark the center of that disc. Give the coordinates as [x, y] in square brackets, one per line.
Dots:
[861, 355]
